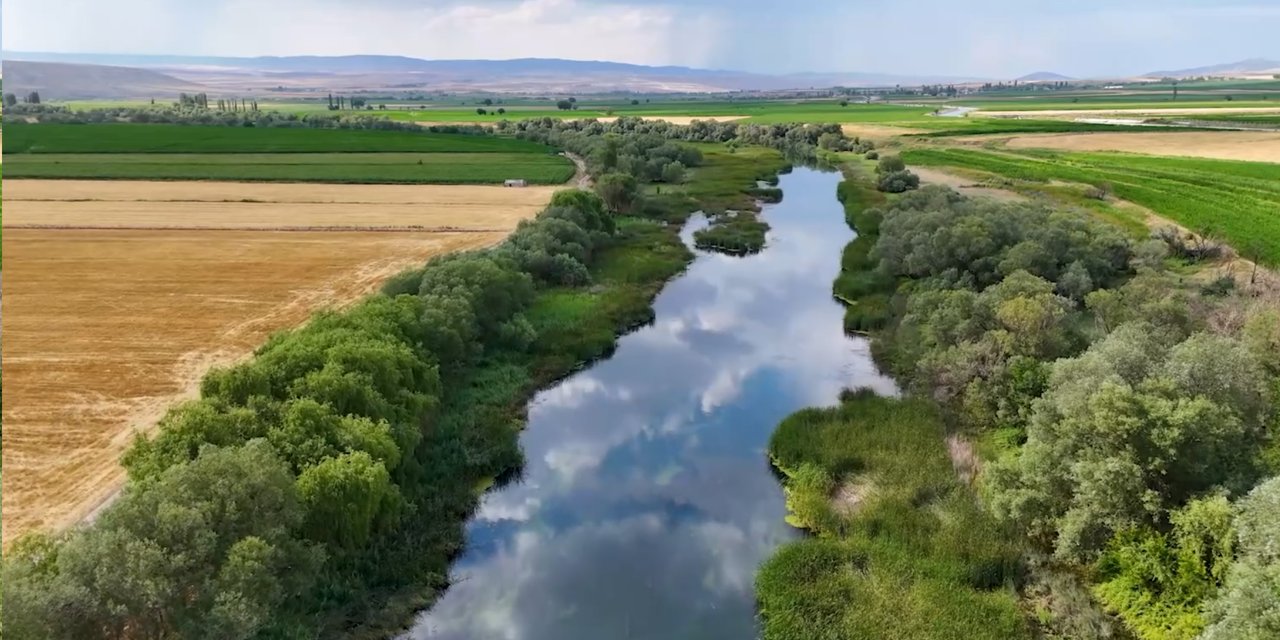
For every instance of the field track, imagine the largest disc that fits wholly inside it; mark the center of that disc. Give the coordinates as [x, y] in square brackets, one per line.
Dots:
[1260, 146]
[107, 328]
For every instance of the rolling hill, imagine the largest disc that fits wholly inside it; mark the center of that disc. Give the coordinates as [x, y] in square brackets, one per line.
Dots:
[65, 81]
[1252, 66]
[1044, 76]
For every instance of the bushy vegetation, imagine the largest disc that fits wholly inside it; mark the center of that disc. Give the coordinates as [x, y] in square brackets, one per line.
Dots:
[1248, 607]
[797, 141]
[628, 154]
[863, 289]
[902, 548]
[327, 479]
[894, 177]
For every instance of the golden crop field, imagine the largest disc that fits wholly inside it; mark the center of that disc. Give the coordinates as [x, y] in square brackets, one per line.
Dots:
[105, 328]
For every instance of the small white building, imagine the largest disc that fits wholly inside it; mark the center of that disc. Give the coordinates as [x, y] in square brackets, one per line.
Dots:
[516, 183]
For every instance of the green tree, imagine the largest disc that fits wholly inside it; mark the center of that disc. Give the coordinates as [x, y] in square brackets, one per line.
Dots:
[206, 543]
[673, 172]
[345, 497]
[890, 164]
[618, 190]
[1248, 606]
[1120, 439]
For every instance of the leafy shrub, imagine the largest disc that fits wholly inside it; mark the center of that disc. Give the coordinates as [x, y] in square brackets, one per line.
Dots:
[898, 182]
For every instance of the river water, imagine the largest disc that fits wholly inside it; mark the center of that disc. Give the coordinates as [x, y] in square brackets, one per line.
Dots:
[647, 501]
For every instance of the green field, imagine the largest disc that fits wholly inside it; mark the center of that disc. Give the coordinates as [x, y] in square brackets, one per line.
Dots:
[177, 152]
[1238, 201]
[170, 138]
[432, 168]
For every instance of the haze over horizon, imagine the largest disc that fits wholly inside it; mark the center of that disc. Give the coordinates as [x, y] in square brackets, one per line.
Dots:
[981, 38]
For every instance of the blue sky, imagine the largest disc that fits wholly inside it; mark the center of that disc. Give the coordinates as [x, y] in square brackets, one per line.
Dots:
[988, 38]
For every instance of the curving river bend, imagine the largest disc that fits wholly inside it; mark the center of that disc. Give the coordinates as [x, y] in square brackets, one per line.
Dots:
[647, 501]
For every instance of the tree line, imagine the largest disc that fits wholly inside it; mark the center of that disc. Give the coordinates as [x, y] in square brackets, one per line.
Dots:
[11, 99]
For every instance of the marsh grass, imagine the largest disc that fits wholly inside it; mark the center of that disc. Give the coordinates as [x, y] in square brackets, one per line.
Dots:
[918, 559]
[726, 187]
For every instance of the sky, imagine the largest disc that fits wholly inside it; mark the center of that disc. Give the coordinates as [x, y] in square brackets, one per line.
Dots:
[974, 38]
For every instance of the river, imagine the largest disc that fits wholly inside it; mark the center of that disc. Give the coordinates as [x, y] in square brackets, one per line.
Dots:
[647, 501]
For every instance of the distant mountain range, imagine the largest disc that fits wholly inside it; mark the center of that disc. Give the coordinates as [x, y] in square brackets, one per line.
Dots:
[1259, 66]
[86, 75]
[309, 74]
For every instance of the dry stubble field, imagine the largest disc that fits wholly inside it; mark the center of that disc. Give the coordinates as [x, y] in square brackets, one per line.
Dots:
[104, 328]
[1254, 146]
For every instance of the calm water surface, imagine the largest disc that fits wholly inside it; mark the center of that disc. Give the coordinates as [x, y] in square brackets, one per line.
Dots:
[647, 501]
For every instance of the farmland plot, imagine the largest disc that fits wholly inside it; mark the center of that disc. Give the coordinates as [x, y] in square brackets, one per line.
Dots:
[106, 327]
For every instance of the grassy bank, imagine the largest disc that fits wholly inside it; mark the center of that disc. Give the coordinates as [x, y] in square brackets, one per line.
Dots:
[736, 226]
[863, 290]
[901, 548]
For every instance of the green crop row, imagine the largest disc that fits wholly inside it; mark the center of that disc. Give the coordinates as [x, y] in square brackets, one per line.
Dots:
[21, 138]
[433, 168]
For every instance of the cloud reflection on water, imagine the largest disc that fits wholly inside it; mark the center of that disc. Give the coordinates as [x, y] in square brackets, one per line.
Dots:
[647, 502]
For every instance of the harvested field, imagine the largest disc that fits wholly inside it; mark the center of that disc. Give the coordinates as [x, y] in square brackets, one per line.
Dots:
[967, 186]
[878, 131]
[1256, 146]
[212, 205]
[107, 328]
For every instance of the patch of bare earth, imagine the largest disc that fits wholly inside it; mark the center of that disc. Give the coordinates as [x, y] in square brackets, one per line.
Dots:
[106, 328]
[877, 131]
[965, 185]
[964, 459]
[851, 494]
[1255, 146]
